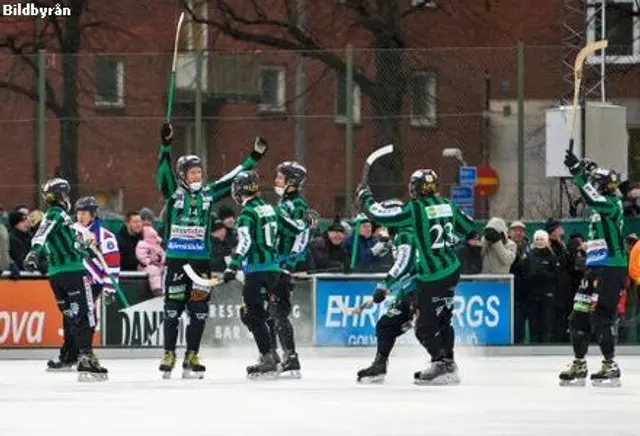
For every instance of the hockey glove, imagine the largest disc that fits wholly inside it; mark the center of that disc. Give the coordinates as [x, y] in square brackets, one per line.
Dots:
[491, 235]
[572, 162]
[31, 261]
[229, 275]
[311, 218]
[166, 134]
[260, 147]
[109, 296]
[380, 294]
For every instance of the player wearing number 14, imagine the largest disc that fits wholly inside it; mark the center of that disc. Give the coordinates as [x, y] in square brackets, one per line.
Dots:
[436, 223]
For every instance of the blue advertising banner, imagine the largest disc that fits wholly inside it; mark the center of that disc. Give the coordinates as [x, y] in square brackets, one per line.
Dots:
[482, 312]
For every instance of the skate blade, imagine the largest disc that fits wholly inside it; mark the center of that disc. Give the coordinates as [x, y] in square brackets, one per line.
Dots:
[372, 380]
[192, 375]
[65, 369]
[443, 380]
[166, 375]
[90, 377]
[267, 376]
[579, 382]
[610, 383]
[292, 374]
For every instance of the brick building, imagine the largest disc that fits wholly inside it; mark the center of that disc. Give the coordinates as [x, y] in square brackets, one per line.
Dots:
[250, 89]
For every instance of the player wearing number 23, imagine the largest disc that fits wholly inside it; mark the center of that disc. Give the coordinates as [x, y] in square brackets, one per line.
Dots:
[437, 225]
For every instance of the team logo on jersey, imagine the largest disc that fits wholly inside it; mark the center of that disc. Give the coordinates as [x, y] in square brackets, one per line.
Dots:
[265, 210]
[110, 245]
[439, 211]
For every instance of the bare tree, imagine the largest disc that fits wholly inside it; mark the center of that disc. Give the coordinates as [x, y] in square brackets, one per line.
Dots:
[274, 23]
[64, 36]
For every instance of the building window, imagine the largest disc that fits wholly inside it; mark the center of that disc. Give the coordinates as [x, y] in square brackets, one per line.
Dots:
[621, 28]
[193, 35]
[341, 100]
[423, 89]
[109, 82]
[272, 89]
[424, 3]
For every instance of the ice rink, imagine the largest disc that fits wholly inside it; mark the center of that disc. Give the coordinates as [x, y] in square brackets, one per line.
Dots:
[499, 396]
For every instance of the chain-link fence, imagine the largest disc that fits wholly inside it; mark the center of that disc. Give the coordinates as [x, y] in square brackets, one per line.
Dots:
[103, 113]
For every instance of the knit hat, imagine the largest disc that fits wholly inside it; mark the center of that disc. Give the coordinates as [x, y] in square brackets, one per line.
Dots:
[632, 238]
[15, 217]
[336, 226]
[216, 224]
[517, 225]
[472, 235]
[147, 214]
[541, 235]
[551, 225]
[225, 212]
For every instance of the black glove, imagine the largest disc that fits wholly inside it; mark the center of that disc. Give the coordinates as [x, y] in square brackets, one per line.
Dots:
[260, 147]
[312, 218]
[166, 134]
[380, 294]
[229, 275]
[31, 261]
[362, 190]
[491, 235]
[108, 298]
[572, 162]
[14, 271]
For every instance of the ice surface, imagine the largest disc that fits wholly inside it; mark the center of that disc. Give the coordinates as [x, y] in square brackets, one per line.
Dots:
[499, 396]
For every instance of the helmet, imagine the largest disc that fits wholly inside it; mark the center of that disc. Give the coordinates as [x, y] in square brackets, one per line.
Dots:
[246, 183]
[184, 164]
[294, 175]
[589, 165]
[56, 191]
[423, 183]
[87, 203]
[604, 181]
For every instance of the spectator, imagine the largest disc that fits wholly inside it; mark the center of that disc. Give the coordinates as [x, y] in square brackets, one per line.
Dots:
[541, 275]
[147, 216]
[498, 251]
[151, 257]
[128, 237]
[19, 237]
[520, 315]
[470, 254]
[5, 258]
[219, 249]
[327, 251]
[360, 246]
[631, 202]
[563, 296]
[228, 218]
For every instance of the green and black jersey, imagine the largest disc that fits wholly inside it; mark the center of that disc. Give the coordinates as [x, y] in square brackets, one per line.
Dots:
[404, 267]
[605, 242]
[257, 227]
[187, 217]
[437, 225]
[60, 241]
[294, 232]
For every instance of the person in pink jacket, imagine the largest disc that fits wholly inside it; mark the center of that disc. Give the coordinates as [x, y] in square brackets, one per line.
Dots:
[151, 257]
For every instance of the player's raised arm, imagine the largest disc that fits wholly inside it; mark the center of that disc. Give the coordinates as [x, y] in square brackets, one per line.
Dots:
[397, 216]
[592, 181]
[165, 179]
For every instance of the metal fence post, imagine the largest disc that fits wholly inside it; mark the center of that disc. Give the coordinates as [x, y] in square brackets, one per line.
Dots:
[199, 146]
[521, 176]
[41, 126]
[348, 131]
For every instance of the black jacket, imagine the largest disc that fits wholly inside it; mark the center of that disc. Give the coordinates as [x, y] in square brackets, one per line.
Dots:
[326, 256]
[517, 269]
[19, 246]
[127, 245]
[470, 259]
[564, 296]
[541, 272]
[221, 249]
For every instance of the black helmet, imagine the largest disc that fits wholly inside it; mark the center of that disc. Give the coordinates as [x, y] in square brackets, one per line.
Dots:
[184, 164]
[246, 183]
[604, 181]
[57, 191]
[88, 204]
[294, 174]
[423, 183]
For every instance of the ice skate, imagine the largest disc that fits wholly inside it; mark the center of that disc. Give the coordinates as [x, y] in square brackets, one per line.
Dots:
[575, 374]
[191, 366]
[608, 376]
[374, 373]
[167, 364]
[265, 369]
[90, 370]
[60, 366]
[441, 372]
[290, 367]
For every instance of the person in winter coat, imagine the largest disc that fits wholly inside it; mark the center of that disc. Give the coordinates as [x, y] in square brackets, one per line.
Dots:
[470, 254]
[219, 249]
[19, 238]
[498, 251]
[365, 251]
[517, 234]
[151, 257]
[541, 269]
[128, 237]
[563, 297]
[5, 259]
[327, 251]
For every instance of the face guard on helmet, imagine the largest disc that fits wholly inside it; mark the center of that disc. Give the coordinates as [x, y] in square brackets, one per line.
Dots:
[604, 181]
[56, 192]
[423, 183]
[294, 176]
[184, 164]
[245, 184]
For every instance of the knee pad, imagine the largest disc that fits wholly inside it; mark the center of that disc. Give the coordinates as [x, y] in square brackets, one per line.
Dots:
[198, 311]
[580, 323]
[279, 309]
[172, 312]
[385, 325]
[252, 317]
[603, 322]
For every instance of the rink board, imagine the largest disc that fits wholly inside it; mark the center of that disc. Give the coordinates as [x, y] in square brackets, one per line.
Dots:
[482, 310]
